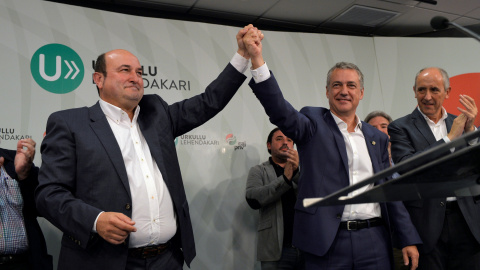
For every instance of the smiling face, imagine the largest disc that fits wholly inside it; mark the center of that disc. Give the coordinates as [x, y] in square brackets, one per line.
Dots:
[430, 93]
[122, 85]
[344, 92]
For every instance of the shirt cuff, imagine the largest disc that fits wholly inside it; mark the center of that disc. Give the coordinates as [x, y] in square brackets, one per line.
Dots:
[261, 74]
[94, 229]
[239, 62]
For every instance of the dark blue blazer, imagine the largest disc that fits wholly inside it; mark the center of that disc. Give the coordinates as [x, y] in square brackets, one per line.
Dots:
[83, 171]
[38, 256]
[411, 135]
[324, 163]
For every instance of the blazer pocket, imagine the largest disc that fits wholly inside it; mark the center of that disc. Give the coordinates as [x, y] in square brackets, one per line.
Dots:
[309, 210]
[265, 224]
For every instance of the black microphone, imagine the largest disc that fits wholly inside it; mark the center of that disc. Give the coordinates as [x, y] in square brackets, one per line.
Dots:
[440, 23]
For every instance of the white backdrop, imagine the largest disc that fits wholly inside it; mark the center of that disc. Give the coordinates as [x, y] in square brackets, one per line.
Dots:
[178, 53]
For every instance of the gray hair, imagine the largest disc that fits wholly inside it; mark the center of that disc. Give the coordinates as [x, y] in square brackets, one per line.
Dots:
[374, 114]
[345, 65]
[446, 79]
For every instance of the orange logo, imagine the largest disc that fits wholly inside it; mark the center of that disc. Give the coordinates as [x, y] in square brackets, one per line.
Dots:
[463, 84]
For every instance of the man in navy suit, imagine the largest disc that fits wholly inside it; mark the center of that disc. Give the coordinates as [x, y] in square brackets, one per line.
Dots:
[336, 150]
[110, 177]
[449, 227]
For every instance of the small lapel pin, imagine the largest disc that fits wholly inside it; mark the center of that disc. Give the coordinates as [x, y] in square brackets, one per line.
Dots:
[373, 142]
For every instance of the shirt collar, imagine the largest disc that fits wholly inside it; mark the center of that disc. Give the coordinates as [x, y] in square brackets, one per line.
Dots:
[444, 116]
[341, 124]
[116, 114]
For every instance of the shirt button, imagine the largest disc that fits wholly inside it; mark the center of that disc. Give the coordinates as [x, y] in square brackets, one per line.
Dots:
[128, 206]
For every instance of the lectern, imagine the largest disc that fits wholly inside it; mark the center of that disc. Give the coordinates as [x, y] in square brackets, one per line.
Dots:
[436, 173]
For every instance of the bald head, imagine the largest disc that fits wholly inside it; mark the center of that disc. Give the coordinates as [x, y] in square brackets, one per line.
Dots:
[118, 76]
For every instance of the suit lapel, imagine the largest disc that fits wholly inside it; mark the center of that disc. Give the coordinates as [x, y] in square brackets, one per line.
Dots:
[373, 142]
[340, 142]
[449, 122]
[422, 126]
[105, 135]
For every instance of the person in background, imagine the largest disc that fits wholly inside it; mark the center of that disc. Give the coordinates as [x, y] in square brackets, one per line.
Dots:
[22, 244]
[380, 120]
[449, 227]
[271, 188]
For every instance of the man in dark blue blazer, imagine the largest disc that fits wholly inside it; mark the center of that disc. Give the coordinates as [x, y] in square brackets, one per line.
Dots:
[449, 227]
[336, 150]
[110, 177]
[24, 247]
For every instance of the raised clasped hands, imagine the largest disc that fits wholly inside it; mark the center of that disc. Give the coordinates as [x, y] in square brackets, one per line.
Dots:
[249, 40]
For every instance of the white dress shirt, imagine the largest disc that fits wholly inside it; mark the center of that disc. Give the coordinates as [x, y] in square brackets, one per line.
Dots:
[152, 207]
[359, 168]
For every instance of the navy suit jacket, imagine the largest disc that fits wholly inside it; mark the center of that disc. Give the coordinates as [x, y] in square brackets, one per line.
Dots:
[83, 171]
[37, 253]
[324, 163]
[411, 135]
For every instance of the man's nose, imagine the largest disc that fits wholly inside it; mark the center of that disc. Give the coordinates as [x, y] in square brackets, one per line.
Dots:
[344, 90]
[428, 95]
[134, 77]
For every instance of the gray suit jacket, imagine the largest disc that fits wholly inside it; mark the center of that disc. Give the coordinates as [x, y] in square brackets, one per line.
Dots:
[264, 192]
[83, 172]
[411, 135]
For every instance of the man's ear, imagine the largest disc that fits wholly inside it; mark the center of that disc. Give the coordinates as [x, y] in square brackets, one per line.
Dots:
[98, 78]
[448, 92]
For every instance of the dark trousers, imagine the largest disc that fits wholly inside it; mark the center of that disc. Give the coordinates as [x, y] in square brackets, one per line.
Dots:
[171, 259]
[456, 249]
[292, 259]
[16, 266]
[365, 249]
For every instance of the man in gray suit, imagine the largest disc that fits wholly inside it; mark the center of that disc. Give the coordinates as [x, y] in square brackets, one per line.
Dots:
[449, 227]
[272, 188]
[110, 178]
